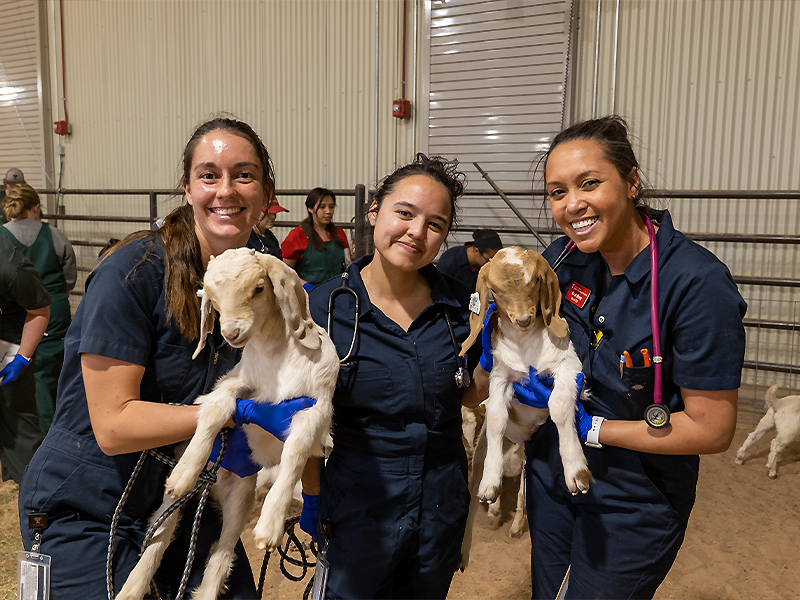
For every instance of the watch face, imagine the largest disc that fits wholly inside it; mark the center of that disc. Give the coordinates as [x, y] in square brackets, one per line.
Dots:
[657, 416]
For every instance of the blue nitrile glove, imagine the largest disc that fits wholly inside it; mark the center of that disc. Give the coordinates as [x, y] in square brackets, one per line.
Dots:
[237, 453]
[12, 370]
[487, 358]
[272, 418]
[309, 515]
[535, 390]
[308, 286]
[583, 421]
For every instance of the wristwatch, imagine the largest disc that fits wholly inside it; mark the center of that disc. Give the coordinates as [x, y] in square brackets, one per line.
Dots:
[593, 435]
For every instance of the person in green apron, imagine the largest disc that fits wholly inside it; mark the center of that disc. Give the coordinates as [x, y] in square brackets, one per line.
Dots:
[24, 310]
[53, 257]
[317, 249]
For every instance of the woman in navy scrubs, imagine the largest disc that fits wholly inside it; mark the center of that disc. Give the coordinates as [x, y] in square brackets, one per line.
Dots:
[622, 537]
[129, 375]
[394, 493]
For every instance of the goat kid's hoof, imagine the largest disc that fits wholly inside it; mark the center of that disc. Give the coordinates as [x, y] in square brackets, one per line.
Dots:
[178, 485]
[738, 460]
[268, 533]
[489, 493]
[580, 482]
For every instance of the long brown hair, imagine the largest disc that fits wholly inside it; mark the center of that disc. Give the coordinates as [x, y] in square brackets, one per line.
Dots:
[177, 234]
[314, 197]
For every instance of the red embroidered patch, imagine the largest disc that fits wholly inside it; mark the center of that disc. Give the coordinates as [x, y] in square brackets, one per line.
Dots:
[577, 294]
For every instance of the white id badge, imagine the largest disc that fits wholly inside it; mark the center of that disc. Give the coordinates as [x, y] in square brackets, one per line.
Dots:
[475, 303]
[321, 576]
[33, 576]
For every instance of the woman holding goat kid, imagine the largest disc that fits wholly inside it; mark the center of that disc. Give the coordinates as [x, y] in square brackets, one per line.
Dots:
[620, 539]
[393, 501]
[129, 380]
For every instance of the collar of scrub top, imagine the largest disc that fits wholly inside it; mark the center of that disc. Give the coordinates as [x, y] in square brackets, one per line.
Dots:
[440, 291]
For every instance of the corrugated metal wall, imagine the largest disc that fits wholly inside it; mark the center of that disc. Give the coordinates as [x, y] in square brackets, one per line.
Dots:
[304, 73]
[24, 116]
[710, 88]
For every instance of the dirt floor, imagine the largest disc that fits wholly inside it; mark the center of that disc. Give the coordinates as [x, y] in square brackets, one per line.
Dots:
[742, 541]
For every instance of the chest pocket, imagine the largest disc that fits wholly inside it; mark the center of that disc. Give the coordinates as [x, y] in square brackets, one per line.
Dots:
[447, 394]
[369, 389]
[171, 365]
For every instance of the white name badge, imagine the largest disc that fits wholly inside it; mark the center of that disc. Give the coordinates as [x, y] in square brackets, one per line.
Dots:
[33, 576]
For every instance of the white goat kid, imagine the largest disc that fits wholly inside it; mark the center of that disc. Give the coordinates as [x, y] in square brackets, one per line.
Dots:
[263, 308]
[529, 332]
[783, 416]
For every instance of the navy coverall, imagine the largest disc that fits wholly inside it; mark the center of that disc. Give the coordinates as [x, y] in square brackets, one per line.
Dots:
[395, 485]
[122, 316]
[622, 537]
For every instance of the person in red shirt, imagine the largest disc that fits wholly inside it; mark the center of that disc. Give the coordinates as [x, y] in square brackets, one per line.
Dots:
[316, 249]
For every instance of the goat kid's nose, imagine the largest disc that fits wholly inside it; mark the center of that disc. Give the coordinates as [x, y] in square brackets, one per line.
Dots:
[523, 322]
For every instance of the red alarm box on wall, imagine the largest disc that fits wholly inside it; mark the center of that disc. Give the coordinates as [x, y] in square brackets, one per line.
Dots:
[401, 109]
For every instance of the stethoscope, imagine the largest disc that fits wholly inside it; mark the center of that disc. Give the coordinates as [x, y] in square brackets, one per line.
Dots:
[462, 376]
[657, 414]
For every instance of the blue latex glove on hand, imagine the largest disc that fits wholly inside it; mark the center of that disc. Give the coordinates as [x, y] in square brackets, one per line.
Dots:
[237, 457]
[309, 515]
[487, 358]
[12, 370]
[535, 391]
[308, 286]
[272, 418]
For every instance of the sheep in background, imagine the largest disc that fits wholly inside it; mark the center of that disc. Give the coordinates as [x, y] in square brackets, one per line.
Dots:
[783, 416]
[529, 332]
[263, 308]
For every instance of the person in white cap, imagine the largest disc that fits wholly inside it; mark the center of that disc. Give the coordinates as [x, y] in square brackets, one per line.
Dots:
[12, 178]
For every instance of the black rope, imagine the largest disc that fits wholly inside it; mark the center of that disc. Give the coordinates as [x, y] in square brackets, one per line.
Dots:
[295, 546]
[206, 479]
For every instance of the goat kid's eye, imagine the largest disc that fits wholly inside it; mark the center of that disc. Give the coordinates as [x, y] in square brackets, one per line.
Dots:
[258, 290]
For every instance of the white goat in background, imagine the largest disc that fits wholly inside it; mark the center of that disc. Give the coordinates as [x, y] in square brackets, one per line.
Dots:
[528, 332]
[263, 308]
[783, 416]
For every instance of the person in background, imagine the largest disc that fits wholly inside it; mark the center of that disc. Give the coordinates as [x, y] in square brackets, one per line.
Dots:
[620, 539]
[129, 382]
[316, 249]
[51, 253]
[261, 238]
[394, 489]
[464, 262]
[24, 311]
[12, 178]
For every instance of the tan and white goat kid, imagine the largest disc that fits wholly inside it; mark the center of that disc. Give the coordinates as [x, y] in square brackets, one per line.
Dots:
[783, 416]
[528, 332]
[263, 308]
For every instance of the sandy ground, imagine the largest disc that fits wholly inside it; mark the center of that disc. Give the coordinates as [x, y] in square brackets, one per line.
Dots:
[742, 541]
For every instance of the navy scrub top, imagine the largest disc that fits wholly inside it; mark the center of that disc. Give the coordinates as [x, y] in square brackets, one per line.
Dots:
[454, 262]
[700, 312]
[397, 395]
[123, 317]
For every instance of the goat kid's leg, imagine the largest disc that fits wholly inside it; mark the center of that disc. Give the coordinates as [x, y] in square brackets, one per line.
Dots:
[138, 582]
[518, 524]
[216, 408]
[766, 423]
[236, 497]
[475, 475]
[500, 394]
[306, 434]
[562, 411]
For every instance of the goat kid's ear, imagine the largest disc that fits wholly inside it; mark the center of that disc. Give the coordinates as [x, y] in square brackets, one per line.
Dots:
[207, 318]
[292, 301]
[476, 320]
[550, 301]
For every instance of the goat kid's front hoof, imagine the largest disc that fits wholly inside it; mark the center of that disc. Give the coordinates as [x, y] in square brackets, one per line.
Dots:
[580, 482]
[739, 460]
[268, 533]
[489, 493]
[179, 483]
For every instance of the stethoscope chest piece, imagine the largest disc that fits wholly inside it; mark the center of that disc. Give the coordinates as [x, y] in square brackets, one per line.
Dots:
[462, 376]
[657, 416]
